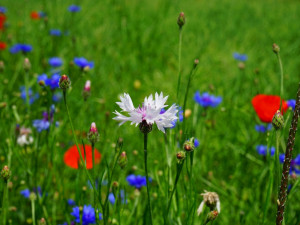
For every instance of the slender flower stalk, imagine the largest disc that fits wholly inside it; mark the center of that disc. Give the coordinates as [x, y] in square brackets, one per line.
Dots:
[276, 50]
[180, 22]
[287, 162]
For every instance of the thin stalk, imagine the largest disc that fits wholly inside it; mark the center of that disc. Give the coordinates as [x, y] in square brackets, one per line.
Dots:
[287, 162]
[147, 177]
[33, 210]
[281, 79]
[27, 92]
[277, 169]
[4, 201]
[94, 173]
[179, 61]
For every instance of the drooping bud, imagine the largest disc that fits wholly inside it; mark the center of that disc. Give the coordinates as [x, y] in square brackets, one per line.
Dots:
[180, 157]
[145, 127]
[123, 160]
[181, 20]
[86, 90]
[27, 64]
[64, 82]
[211, 216]
[189, 145]
[93, 134]
[276, 48]
[278, 120]
[5, 173]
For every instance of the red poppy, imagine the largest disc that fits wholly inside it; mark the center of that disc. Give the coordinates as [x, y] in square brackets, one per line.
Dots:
[72, 157]
[266, 106]
[2, 20]
[2, 45]
[34, 15]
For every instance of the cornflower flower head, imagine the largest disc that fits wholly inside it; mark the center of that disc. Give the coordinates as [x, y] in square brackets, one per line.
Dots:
[207, 100]
[44, 124]
[86, 90]
[112, 199]
[82, 63]
[261, 128]
[149, 113]
[88, 215]
[291, 103]
[3, 10]
[20, 48]
[55, 32]
[240, 57]
[53, 82]
[55, 62]
[210, 199]
[24, 137]
[137, 181]
[295, 164]
[74, 8]
[32, 96]
[71, 202]
[263, 150]
[196, 142]
[25, 193]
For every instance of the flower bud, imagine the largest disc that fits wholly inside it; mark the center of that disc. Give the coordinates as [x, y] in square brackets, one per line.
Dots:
[241, 65]
[123, 160]
[196, 62]
[211, 216]
[276, 48]
[180, 157]
[86, 90]
[5, 173]
[189, 145]
[145, 127]
[93, 134]
[278, 120]
[181, 20]
[2, 66]
[42, 222]
[27, 64]
[64, 82]
[115, 186]
[2, 105]
[32, 196]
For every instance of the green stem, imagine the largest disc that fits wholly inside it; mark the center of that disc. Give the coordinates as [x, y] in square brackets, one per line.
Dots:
[179, 61]
[93, 158]
[33, 211]
[281, 80]
[277, 170]
[27, 92]
[147, 177]
[4, 201]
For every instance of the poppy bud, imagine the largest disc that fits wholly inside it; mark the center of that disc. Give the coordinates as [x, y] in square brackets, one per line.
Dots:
[93, 134]
[145, 127]
[27, 64]
[123, 160]
[180, 157]
[64, 82]
[181, 20]
[189, 145]
[86, 90]
[278, 120]
[276, 48]
[5, 173]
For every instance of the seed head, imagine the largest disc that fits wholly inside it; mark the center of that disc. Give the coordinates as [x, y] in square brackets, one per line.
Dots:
[145, 127]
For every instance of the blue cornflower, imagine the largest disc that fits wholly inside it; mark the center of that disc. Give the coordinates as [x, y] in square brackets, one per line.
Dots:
[20, 47]
[262, 150]
[32, 96]
[88, 215]
[112, 198]
[25, 193]
[291, 103]
[71, 202]
[3, 9]
[53, 82]
[196, 142]
[263, 128]
[57, 97]
[207, 100]
[43, 77]
[137, 181]
[295, 164]
[44, 124]
[55, 32]
[240, 57]
[74, 8]
[55, 62]
[82, 62]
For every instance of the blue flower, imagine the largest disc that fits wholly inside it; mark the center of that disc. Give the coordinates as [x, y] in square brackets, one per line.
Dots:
[25, 193]
[43, 78]
[71, 202]
[263, 128]
[262, 150]
[196, 142]
[42, 14]
[137, 181]
[55, 32]
[240, 57]
[32, 97]
[55, 62]
[20, 47]
[112, 198]
[88, 215]
[291, 103]
[44, 124]
[3, 9]
[57, 97]
[82, 62]
[74, 8]
[295, 164]
[53, 82]
[207, 100]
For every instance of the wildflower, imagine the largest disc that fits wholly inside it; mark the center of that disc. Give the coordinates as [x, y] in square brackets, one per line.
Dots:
[3, 10]
[196, 142]
[88, 215]
[276, 48]
[207, 100]
[266, 106]
[57, 97]
[112, 199]
[291, 103]
[20, 48]
[295, 164]
[2, 20]
[32, 97]
[262, 150]
[2, 45]
[240, 57]
[210, 199]
[55, 62]
[72, 157]
[181, 20]
[44, 124]
[64, 82]
[278, 120]
[71, 202]
[93, 134]
[34, 15]
[136, 181]
[82, 63]
[149, 113]
[263, 128]
[5, 173]
[53, 82]
[42, 14]
[180, 157]
[55, 32]
[24, 137]
[25, 193]
[86, 90]
[189, 145]
[123, 160]
[74, 8]
[41, 79]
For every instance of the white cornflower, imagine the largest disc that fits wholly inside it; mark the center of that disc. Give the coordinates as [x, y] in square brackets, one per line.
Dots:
[24, 137]
[210, 199]
[150, 112]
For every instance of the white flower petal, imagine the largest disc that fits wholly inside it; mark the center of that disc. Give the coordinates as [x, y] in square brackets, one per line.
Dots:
[126, 103]
[200, 208]
[121, 118]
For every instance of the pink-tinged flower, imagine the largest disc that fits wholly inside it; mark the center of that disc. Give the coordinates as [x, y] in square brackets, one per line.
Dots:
[148, 113]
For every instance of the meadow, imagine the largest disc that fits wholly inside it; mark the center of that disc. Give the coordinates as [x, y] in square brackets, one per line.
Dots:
[222, 74]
